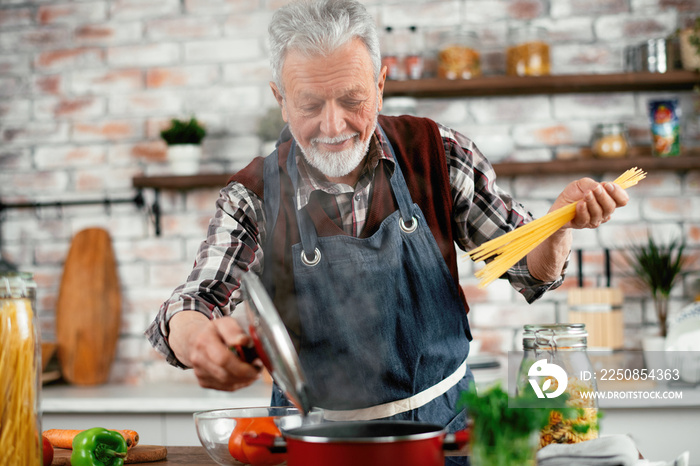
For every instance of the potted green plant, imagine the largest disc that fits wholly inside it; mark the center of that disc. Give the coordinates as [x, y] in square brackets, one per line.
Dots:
[658, 267]
[184, 139]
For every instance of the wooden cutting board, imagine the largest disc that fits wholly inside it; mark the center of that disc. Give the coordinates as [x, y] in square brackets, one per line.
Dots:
[88, 311]
[138, 454]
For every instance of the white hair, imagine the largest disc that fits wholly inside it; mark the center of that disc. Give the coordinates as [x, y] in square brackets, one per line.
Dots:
[318, 28]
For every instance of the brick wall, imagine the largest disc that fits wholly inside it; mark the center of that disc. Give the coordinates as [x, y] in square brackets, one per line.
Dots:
[85, 87]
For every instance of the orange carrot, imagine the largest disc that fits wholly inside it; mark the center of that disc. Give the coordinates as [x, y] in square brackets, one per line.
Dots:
[63, 438]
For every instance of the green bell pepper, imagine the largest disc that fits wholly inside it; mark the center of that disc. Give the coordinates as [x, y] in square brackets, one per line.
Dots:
[98, 447]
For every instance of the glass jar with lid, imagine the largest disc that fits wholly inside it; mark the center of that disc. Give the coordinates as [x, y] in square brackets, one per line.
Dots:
[556, 363]
[609, 140]
[528, 52]
[458, 57]
[20, 383]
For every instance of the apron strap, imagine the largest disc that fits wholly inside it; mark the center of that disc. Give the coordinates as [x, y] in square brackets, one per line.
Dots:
[271, 193]
[307, 231]
[399, 187]
[400, 406]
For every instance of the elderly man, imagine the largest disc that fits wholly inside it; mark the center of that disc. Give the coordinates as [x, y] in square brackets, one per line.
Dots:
[352, 222]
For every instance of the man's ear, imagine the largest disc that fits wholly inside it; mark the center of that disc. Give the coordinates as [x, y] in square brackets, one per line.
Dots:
[280, 100]
[380, 88]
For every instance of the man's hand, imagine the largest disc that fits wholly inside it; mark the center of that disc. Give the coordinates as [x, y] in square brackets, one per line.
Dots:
[596, 202]
[204, 345]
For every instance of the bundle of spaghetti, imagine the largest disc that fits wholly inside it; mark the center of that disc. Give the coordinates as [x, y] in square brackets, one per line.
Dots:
[20, 438]
[506, 250]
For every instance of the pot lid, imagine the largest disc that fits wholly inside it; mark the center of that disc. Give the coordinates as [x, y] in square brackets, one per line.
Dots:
[272, 342]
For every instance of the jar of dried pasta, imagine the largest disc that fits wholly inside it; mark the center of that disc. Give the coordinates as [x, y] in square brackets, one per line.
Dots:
[458, 57]
[609, 140]
[20, 384]
[528, 52]
[555, 371]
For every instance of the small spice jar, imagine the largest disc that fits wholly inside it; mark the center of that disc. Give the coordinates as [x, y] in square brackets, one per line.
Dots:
[458, 57]
[528, 52]
[555, 363]
[609, 140]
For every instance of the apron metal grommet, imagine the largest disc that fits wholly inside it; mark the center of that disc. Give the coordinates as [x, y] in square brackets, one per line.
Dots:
[411, 227]
[311, 262]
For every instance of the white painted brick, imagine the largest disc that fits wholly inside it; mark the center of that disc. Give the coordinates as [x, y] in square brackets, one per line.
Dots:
[240, 150]
[148, 103]
[69, 59]
[597, 108]
[183, 27]
[541, 187]
[638, 26]
[53, 156]
[72, 13]
[421, 14]
[511, 109]
[14, 64]
[552, 134]
[16, 18]
[109, 34]
[251, 71]
[34, 132]
[242, 98]
[142, 9]
[567, 8]
[586, 58]
[478, 12]
[106, 81]
[219, 7]
[67, 108]
[35, 38]
[222, 50]
[113, 130]
[15, 110]
[15, 158]
[183, 76]
[449, 112]
[248, 24]
[667, 209]
[143, 55]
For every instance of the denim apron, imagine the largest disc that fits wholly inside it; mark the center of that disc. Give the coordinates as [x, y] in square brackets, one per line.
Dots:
[383, 329]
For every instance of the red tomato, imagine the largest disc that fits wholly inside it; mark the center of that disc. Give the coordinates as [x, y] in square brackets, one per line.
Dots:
[253, 454]
[235, 442]
[47, 450]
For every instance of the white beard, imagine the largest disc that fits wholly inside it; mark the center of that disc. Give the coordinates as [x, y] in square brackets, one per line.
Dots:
[335, 164]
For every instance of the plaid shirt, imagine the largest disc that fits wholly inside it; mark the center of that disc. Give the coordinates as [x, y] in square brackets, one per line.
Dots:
[482, 211]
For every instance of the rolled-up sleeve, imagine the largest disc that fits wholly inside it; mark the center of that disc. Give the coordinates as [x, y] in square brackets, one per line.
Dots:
[483, 211]
[231, 248]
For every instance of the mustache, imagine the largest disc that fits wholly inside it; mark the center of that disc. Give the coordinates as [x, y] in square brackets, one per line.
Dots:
[335, 140]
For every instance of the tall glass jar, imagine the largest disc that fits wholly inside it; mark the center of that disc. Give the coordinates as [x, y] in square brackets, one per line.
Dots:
[458, 57]
[555, 362]
[528, 52]
[20, 379]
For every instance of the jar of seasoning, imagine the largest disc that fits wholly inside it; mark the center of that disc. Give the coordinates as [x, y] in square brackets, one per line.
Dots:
[20, 366]
[555, 363]
[609, 140]
[458, 57]
[528, 52]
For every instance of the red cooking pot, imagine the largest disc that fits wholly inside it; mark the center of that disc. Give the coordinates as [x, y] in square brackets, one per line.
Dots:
[367, 443]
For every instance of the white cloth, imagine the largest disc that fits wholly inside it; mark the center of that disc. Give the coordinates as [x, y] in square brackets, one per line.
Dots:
[613, 450]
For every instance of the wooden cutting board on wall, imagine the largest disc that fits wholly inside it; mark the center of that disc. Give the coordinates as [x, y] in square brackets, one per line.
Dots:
[88, 311]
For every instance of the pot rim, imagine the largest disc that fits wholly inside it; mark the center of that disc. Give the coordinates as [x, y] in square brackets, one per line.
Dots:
[431, 431]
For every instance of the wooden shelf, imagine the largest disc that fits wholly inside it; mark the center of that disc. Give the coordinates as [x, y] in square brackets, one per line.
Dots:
[678, 80]
[689, 161]
[181, 182]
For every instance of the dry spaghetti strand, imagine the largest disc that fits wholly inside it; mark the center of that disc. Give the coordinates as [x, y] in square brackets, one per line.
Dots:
[506, 250]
